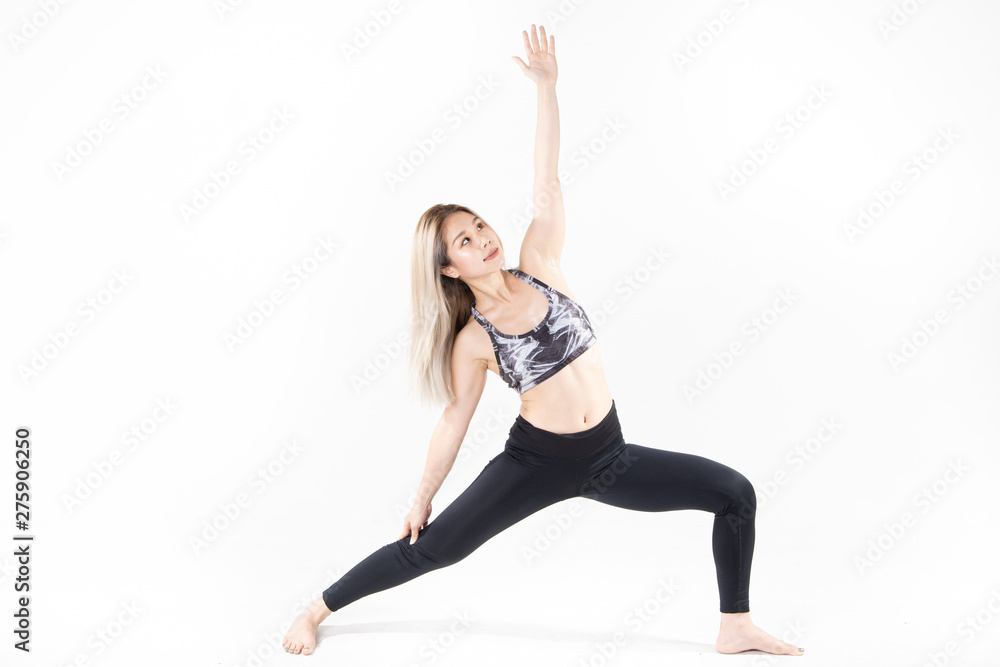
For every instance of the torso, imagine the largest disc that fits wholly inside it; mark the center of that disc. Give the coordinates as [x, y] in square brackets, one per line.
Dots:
[575, 398]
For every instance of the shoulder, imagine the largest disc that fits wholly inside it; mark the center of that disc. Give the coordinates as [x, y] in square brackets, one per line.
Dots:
[468, 369]
[471, 344]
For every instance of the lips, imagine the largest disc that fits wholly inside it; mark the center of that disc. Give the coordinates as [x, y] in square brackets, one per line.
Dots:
[492, 254]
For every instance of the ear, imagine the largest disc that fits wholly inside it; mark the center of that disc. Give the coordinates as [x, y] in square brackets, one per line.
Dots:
[449, 271]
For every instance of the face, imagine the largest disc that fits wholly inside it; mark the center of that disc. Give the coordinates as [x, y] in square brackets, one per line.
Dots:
[469, 241]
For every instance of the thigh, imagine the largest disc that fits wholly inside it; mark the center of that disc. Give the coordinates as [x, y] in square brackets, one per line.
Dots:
[657, 480]
[505, 492]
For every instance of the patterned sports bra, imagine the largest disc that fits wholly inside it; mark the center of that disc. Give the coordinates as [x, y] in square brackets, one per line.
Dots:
[525, 360]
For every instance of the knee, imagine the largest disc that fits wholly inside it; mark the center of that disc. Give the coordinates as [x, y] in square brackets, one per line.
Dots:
[742, 499]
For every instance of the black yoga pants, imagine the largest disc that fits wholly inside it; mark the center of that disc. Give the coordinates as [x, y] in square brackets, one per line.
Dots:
[538, 468]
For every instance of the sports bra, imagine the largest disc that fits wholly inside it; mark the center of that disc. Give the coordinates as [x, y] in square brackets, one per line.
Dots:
[525, 360]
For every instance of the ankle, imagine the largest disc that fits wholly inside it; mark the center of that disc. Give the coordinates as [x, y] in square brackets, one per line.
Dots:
[739, 620]
[318, 609]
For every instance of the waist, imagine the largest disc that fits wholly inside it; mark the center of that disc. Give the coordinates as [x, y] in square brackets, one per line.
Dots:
[607, 432]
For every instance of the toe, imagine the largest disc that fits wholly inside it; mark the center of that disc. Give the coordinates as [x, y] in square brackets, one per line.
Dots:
[788, 649]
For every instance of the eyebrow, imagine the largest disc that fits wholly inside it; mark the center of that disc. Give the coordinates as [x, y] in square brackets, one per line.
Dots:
[474, 218]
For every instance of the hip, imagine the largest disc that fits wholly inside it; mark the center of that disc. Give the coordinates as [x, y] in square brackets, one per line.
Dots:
[527, 438]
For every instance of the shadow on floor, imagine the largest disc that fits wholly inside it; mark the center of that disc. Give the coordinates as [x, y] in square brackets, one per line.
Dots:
[512, 630]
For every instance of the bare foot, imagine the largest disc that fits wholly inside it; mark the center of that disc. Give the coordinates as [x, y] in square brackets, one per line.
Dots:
[738, 634]
[301, 637]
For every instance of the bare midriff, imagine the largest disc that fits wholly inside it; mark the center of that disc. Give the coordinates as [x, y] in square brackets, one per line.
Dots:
[574, 399]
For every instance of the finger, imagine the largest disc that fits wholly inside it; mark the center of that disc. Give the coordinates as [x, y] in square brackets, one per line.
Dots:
[520, 63]
[534, 38]
[542, 39]
[552, 44]
[527, 44]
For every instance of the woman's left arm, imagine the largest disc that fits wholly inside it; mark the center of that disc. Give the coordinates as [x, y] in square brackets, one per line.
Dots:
[547, 231]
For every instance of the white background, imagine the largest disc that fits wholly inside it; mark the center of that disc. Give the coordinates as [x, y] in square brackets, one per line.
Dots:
[326, 369]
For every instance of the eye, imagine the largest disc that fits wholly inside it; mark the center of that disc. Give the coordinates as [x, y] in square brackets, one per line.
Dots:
[478, 224]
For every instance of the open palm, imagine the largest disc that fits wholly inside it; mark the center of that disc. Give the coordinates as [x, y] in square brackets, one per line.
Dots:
[541, 53]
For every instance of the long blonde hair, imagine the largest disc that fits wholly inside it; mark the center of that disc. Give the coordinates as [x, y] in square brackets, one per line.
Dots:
[441, 307]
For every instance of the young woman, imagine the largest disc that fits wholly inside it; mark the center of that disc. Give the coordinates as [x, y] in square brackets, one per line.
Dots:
[472, 315]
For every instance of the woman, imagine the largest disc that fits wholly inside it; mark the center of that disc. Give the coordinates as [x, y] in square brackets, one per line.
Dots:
[524, 324]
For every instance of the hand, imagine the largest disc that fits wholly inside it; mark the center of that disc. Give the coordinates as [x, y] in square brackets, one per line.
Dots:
[415, 521]
[541, 67]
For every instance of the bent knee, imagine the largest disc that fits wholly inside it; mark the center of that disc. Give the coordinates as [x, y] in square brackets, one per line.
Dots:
[744, 493]
[741, 497]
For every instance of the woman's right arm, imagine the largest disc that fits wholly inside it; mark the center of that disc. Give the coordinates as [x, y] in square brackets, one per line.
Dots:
[468, 376]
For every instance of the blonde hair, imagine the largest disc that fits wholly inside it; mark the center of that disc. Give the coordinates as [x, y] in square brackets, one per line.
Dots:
[441, 306]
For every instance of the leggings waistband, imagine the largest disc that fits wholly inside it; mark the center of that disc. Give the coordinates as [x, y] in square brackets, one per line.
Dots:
[525, 435]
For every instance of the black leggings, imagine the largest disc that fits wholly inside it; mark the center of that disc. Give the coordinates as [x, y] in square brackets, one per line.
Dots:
[538, 468]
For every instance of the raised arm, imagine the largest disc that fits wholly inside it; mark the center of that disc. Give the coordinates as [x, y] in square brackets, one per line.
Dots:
[547, 231]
